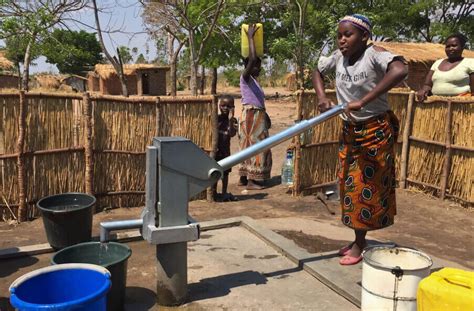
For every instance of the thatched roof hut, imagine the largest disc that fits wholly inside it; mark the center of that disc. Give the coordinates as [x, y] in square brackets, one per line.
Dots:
[76, 82]
[9, 81]
[142, 79]
[420, 57]
[47, 81]
[5, 64]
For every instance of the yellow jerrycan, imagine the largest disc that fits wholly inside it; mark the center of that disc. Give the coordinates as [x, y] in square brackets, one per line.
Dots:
[447, 289]
[258, 40]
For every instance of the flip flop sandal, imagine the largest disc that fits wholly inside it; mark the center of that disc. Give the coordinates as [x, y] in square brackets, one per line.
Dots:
[349, 260]
[345, 250]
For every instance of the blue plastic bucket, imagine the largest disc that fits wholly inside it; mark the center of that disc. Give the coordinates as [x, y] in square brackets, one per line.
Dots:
[62, 287]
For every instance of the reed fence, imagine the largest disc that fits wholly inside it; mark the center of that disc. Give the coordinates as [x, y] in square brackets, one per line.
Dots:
[52, 143]
[434, 150]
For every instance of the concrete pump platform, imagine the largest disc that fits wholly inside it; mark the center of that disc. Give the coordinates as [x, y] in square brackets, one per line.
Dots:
[238, 263]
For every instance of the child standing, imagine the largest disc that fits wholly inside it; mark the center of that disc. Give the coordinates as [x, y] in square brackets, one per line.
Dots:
[227, 128]
[364, 75]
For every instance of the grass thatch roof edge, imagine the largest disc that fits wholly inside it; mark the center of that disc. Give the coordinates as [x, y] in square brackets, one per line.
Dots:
[419, 52]
[5, 63]
[106, 70]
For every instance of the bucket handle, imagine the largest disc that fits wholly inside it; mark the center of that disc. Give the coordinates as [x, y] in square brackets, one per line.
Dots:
[398, 272]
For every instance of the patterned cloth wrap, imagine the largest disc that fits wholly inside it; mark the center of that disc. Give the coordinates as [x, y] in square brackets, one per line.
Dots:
[253, 128]
[367, 172]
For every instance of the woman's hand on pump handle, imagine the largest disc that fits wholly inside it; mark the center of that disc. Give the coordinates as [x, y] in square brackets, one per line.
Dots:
[354, 106]
[325, 104]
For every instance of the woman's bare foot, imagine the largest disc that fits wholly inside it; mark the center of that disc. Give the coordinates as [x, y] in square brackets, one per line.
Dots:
[253, 185]
[243, 181]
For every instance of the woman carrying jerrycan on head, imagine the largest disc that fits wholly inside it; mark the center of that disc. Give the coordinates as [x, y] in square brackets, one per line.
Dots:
[364, 75]
[254, 121]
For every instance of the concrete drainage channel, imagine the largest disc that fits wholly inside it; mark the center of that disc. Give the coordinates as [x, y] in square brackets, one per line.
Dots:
[322, 266]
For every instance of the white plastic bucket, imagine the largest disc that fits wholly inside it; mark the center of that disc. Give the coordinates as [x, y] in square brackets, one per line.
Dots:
[390, 277]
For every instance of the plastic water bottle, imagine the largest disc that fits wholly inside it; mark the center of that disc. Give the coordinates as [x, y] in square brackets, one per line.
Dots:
[287, 169]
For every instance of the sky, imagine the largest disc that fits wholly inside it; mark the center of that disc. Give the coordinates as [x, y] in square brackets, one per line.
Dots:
[121, 16]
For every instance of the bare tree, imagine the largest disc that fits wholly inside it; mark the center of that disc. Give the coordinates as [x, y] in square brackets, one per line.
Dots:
[299, 30]
[195, 24]
[116, 62]
[153, 18]
[33, 21]
[173, 54]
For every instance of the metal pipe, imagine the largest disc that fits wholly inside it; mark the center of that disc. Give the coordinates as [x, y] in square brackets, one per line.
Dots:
[108, 226]
[172, 273]
[271, 141]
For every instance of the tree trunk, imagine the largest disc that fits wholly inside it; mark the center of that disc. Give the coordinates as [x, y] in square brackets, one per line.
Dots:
[123, 81]
[172, 63]
[214, 81]
[193, 81]
[203, 80]
[19, 74]
[26, 70]
[119, 68]
[173, 77]
[300, 76]
[299, 61]
[194, 65]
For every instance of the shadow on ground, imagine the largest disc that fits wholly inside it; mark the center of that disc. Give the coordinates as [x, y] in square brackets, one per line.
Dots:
[10, 266]
[255, 196]
[139, 298]
[221, 285]
[272, 182]
[314, 244]
[5, 304]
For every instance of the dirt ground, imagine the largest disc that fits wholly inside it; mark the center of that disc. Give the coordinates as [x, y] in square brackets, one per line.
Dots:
[441, 228]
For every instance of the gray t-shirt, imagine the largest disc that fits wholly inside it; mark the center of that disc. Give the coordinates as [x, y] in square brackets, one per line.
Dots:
[354, 82]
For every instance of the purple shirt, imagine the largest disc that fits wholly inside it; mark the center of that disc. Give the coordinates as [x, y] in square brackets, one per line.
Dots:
[252, 93]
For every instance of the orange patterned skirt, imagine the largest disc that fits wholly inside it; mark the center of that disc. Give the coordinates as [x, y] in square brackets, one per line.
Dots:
[367, 172]
[253, 128]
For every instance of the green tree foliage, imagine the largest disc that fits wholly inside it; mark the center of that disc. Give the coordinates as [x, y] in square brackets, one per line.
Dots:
[15, 48]
[141, 59]
[161, 53]
[125, 54]
[413, 20]
[232, 76]
[32, 21]
[72, 51]
[421, 20]
[195, 20]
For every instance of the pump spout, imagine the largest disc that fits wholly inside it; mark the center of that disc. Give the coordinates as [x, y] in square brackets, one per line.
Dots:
[108, 226]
